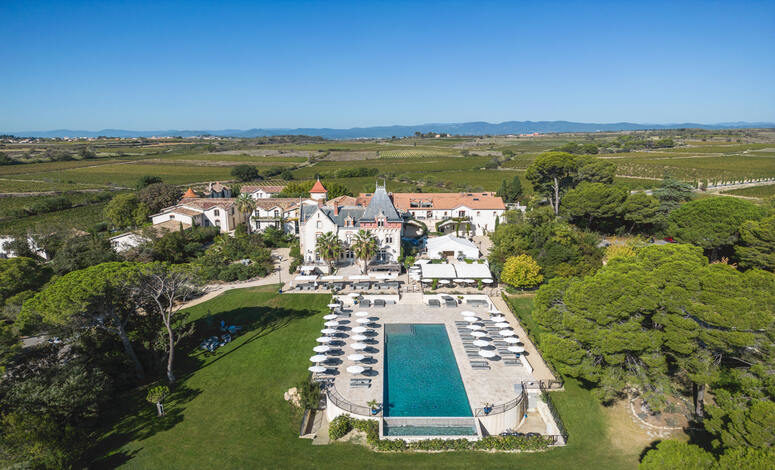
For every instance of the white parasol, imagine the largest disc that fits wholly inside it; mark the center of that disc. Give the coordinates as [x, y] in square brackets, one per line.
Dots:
[511, 340]
[328, 331]
[481, 343]
[354, 294]
[486, 353]
[502, 324]
[331, 323]
[487, 281]
[361, 314]
[359, 337]
[475, 327]
[356, 357]
[506, 333]
[363, 320]
[324, 339]
[516, 349]
[319, 358]
[358, 346]
[498, 318]
[330, 316]
[360, 329]
[478, 334]
[321, 349]
[355, 369]
[333, 305]
[444, 282]
[468, 313]
[317, 369]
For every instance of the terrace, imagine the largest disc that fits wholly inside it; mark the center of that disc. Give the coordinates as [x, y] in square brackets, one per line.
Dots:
[493, 381]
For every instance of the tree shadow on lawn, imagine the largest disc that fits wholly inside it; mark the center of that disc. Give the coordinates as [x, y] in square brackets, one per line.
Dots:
[135, 420]
[256, 322]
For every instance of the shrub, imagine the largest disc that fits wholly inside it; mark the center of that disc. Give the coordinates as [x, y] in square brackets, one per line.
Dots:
[340, 426]
[309, 393]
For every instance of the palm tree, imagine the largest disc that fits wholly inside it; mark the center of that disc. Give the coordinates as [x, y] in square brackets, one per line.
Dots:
[329, 248]
[246, 205]
[364, 247]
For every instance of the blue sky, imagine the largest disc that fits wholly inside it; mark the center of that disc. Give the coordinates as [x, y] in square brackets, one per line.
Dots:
[215, 65]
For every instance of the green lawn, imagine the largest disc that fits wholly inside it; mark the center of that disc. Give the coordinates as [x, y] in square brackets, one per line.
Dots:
[228, 412]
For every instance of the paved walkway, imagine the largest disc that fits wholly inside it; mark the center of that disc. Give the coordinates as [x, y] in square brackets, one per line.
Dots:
[540, 369]
[276, 277]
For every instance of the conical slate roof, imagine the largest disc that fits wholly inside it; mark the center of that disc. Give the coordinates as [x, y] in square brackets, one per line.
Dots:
[380, 203]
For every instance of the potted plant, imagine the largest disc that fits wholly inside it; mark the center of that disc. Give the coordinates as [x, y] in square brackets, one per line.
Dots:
[487, 408]
[374, 405]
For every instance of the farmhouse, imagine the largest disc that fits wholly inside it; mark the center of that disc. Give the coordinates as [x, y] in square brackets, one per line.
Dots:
[203, 212]
[262, 191]
[280, 213]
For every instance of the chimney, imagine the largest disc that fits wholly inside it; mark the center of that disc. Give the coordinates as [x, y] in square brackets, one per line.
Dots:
[336, 208]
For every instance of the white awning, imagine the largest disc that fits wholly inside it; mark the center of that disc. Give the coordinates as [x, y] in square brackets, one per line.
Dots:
[305, 278]
[331, 278]
[438, 271]
[473, 271]
[437, 246]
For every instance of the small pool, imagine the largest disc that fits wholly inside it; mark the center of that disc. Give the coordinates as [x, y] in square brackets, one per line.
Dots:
[429, 430]
[421, 376]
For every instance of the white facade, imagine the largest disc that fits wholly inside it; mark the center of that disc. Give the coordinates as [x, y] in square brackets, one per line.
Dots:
[482, 220]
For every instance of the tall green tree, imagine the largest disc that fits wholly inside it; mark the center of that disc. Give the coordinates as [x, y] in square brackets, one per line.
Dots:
[594, 203]
[672, 193]
[246, 205]
[125, 210]
[167, 287]
[329, 247]
[756, 246]
[21, 274]
[96, 297]
[712, 223]
[677, 455]
[245, 172]
[510, 191]
[157, 196]
[642, 212]
[364, 245]
[552, 174]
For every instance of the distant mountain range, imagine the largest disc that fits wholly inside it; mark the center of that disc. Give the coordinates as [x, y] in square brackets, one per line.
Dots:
[463, 128]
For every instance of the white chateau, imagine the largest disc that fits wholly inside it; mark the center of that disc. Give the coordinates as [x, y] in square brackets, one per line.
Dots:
[388, 216]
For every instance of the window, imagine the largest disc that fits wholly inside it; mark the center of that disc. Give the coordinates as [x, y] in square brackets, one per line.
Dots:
[429, 214]
[389, 239]
[461, 213]
[216, 212]
[380, 222]
[478, 213]
[319, 224]
[277, 213]
[445, 213]
[172, 216]
[217, 223]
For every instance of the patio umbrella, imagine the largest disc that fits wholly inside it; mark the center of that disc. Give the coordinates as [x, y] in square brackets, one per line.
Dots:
[331, 323]
[361, 314]
[319, 358]
[486, 353]
[444, 281]
[328, 331]
[358, 346]
[324, 339]
[481, 343]
[427, 281]
[479, 334]
[317, 369]
[502, 324]
[354, 294]
[498, 318]
[363, 320]
[471, 319]
[475, 327]
[516, 349]
[468, 313]
[333, 305]
[360, 329]
[355, 369]
[330, 316]
[487, 281]
[359, 337]
[506, 333]
[321, 349]
[356, 357]
[511, 340]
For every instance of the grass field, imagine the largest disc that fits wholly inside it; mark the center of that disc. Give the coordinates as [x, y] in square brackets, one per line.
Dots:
[228, 410]
[763, 192]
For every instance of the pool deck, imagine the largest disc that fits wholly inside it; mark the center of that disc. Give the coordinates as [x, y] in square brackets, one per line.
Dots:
[482, 386]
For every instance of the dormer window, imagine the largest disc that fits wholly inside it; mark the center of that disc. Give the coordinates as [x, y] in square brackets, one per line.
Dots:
[216, 212]
[380, 222]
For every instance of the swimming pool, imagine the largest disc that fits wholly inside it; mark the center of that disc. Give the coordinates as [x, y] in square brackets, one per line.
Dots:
[422, 377]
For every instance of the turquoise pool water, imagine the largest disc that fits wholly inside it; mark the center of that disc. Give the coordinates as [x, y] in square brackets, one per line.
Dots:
[421, 378]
